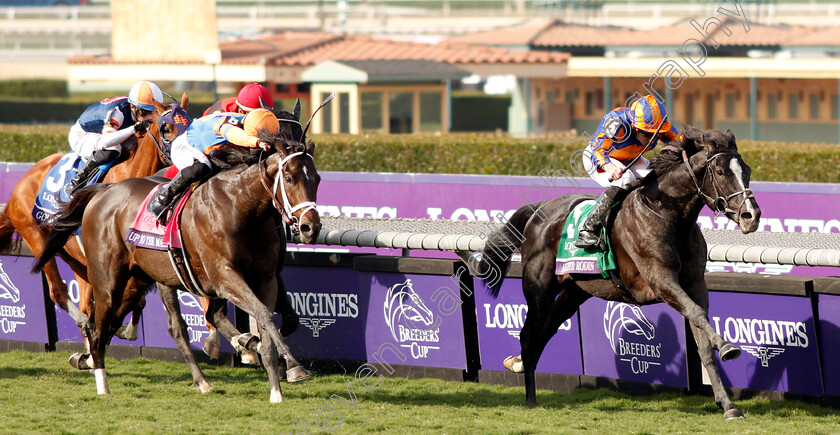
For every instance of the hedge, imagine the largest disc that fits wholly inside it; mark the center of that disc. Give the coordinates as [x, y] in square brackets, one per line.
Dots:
[33, 88]
[468, 153]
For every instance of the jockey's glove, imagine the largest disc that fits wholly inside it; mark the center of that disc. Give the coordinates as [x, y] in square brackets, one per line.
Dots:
[142, 126]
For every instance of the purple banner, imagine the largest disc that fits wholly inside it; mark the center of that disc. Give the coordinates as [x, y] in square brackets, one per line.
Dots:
[643, 344]
[777, 338]
[22, 308]
[332, 312]
[500, 321]
[156, 323]
[829, 315]
[408, 322]
[68, 332]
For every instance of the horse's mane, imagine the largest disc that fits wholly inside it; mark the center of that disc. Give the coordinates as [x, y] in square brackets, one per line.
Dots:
[231, 156]
[670, 155]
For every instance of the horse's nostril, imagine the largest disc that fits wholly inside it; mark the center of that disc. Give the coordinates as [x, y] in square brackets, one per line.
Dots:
[304, 228]
[746, 216]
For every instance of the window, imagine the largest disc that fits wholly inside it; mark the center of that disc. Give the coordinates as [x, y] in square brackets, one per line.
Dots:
[772, 100]
[402, 108]
[430, 111]
[835, 107]
[371, 110]
[326, 115]
[730, 105]
[793, 106]
[589, 103]
[343, 112]
[814, 106]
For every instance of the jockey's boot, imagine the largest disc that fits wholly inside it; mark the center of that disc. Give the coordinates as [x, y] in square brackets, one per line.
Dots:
[590, 234]
[98, 158]
[167, 194]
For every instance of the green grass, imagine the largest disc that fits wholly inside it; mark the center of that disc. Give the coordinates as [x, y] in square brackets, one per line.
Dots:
[41, 393]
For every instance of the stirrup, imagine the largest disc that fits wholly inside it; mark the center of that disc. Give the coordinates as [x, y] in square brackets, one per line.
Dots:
[587, 239]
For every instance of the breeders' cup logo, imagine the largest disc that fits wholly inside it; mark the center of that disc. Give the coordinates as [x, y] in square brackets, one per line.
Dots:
[196, 323]
[11, 316]
[761, 338]
[8, 289]
[623, 318]
[406, 314]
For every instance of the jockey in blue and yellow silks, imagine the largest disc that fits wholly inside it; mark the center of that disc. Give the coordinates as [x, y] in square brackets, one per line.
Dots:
[623, 134]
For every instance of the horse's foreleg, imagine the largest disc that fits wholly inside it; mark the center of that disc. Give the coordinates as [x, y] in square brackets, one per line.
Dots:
[237, 291]
[178, 331]
[707, 358]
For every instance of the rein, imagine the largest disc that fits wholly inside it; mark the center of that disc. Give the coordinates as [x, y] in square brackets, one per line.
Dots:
[164, 156]
[287, 210]
[720, 202]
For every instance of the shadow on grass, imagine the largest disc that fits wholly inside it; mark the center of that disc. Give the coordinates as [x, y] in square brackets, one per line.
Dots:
[17, 372]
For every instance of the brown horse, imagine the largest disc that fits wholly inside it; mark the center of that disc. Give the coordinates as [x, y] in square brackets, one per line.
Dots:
[231, 240]
[144, 157]
[659, 249]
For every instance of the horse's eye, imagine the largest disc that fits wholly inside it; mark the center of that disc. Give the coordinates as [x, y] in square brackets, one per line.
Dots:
[288, 178]
[720, 172]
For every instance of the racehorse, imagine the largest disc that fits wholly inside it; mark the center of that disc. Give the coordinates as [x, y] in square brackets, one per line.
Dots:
[660, 250]
[144, 157]
[231, 240]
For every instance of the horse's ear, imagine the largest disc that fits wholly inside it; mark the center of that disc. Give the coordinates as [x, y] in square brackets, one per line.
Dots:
[731, 137]
[161, 107]
[185, 100]
[310, 147]
[296, 110]
[694, 137]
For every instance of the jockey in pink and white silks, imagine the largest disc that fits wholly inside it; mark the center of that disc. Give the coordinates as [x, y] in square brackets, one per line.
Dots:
[98, 134]
[621, 138]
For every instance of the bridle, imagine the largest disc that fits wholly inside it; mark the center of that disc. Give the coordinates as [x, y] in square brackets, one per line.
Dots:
[719, 201]
[287, 210]
[161, 146]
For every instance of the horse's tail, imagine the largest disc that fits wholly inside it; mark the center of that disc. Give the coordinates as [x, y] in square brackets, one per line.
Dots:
[7, 230]
[500, 244]
[68, 219]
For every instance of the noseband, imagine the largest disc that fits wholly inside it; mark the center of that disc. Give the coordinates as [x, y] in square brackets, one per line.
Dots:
[719, 201]
[287, 210]
[161, 147]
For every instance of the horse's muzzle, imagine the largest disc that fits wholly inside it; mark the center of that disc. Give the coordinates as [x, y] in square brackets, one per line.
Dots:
[310, 228]
[749, 216]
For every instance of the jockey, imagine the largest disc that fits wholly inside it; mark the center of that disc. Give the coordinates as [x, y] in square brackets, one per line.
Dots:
[250, 97]
[623, 135]
[102, 128]
[190, 151]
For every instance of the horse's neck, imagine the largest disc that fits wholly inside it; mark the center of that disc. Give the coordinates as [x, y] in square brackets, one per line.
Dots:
[249, 194]
[143, 160]
[675, 195]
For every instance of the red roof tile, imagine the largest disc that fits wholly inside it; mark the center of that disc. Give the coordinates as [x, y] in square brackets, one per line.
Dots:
[561, 34]
[521, 34]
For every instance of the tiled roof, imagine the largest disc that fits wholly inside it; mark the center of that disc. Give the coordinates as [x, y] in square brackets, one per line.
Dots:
[402, 68]
[561, 34]
[522, 34]
[355, 47]
[827, 36]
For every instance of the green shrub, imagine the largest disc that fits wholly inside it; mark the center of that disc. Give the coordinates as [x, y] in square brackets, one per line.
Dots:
[467, 153]
[33, 88]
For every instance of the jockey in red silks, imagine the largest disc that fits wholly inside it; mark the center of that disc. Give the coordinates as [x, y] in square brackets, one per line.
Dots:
[98, 134]
[190, 151]
[620, 140]
[250, 97]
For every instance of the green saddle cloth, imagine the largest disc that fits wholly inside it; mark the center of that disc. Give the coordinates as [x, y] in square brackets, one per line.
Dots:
[571, 259]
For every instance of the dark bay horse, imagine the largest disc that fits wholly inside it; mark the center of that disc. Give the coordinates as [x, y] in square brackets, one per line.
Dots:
[659, 249]
[144, 157]
[230, 236]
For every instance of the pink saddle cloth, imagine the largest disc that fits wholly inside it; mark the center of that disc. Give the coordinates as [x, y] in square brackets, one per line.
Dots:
[146, 232]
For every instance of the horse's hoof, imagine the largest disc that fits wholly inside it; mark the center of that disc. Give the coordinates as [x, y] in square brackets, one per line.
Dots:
[297, 374]
[204, 387]
[728, 352]
[247, 340]
[249, 357]
[127, 332]
[531, 403]
[733, 414]
[514, 364]
[80, 361]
